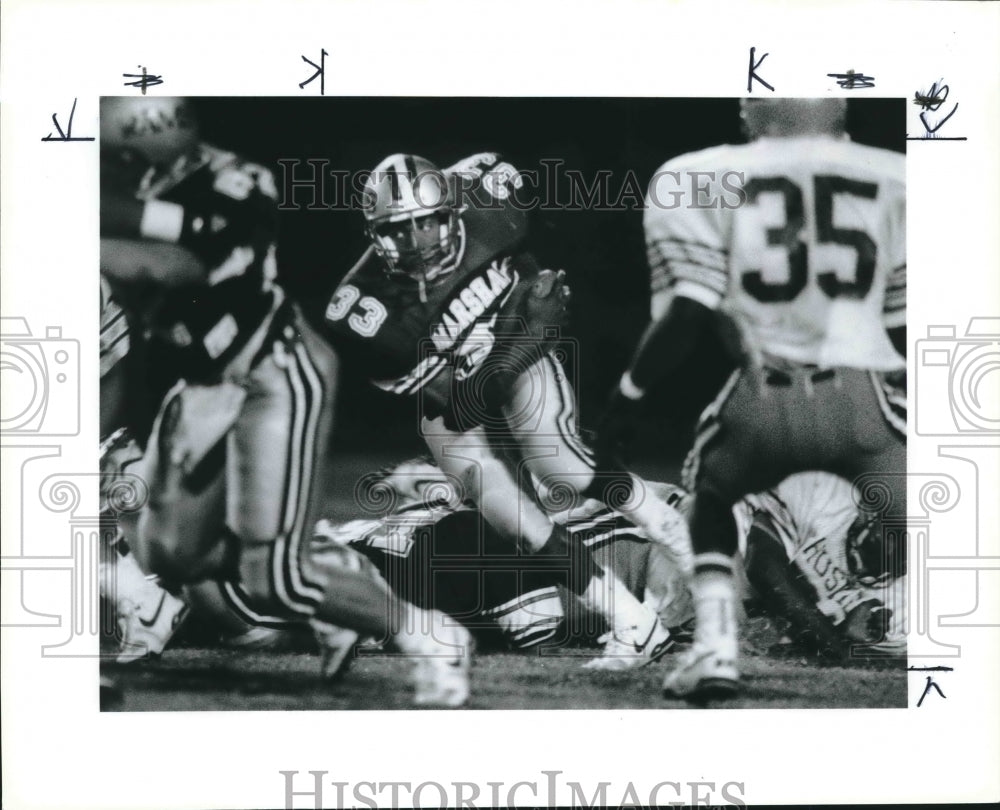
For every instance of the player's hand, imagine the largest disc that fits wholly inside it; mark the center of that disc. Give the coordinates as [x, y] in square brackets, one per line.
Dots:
[616, 430]
[868, 622]
[547, 303]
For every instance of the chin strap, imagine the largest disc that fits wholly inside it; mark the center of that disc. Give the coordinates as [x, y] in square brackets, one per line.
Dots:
[423, 290]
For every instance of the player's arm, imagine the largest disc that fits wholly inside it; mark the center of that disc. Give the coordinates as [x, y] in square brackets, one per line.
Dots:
[238, 209]
[773, 578]
[135, 260]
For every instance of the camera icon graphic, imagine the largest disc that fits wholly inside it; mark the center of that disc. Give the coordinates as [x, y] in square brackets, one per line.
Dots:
[957, 380]
[40, 379]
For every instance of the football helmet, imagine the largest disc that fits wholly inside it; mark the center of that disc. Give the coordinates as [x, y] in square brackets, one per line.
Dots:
[153, 129]
[411, 219]
[873, 553]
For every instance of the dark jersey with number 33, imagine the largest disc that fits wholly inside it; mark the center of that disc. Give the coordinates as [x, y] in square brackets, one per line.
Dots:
[411, 345]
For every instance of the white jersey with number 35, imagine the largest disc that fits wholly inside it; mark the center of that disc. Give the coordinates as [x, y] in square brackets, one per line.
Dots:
[809, 260]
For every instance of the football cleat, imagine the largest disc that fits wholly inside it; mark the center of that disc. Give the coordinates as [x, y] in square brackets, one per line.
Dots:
[441, 672]
[632, 648]
[706, 671]
[146, 628]
[337, 646]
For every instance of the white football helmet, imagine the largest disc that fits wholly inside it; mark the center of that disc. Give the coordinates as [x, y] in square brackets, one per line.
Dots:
[411, 219]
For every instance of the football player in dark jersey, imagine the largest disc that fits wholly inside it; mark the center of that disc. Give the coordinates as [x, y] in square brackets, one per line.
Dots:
[235, 457]
[449, 306]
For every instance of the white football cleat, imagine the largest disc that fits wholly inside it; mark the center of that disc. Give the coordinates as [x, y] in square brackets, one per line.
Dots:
[337, 646]
[706, 671]
[441, 672]
[632, 648]
[146, 628]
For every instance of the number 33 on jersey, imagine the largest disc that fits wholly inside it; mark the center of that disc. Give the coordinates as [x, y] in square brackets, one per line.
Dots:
[366, 317]
[812, 263]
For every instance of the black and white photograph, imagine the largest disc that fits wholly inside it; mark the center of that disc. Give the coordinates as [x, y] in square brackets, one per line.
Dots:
[463, 405]
[382, 401]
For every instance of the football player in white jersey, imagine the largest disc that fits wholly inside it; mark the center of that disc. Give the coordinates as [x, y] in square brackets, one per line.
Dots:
[809, 266]
[810, 528]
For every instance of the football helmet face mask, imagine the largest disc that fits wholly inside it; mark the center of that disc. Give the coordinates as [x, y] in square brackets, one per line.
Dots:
[873, 554]
[411, 220]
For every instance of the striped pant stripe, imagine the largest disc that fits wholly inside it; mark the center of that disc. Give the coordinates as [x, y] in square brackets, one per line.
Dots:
[891, 402]
[239, 601]
[291, 584]
[566, 419]
[708, 427]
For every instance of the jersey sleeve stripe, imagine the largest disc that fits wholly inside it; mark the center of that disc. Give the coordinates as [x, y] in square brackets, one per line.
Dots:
[671, 250]
[416, 379]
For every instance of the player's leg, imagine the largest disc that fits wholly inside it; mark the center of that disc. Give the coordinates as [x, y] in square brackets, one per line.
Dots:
[276, 448]
[472, 459]
[772, 575]
[874, 449]
[742, 445]
[179, 530]
[146, 614]
[541, 415]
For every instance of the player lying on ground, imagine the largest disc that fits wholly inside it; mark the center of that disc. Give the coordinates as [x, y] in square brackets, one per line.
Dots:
[448, 306]
[810, 270]
[823, 566]
[438, 553]
[236, 452]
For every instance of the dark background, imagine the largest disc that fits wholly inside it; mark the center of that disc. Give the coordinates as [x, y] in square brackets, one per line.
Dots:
[602, 251]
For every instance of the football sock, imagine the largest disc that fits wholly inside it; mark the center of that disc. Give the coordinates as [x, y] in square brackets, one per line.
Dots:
[713, 527]
[714, 591]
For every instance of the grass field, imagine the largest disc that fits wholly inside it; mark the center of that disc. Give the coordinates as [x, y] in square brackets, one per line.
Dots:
[202, 679]
[197, 678]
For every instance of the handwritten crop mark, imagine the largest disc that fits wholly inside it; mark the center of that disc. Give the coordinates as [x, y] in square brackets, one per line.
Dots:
[852, 80]
[931, 102]
[320, 72]
[144, 79]
[66, 135]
